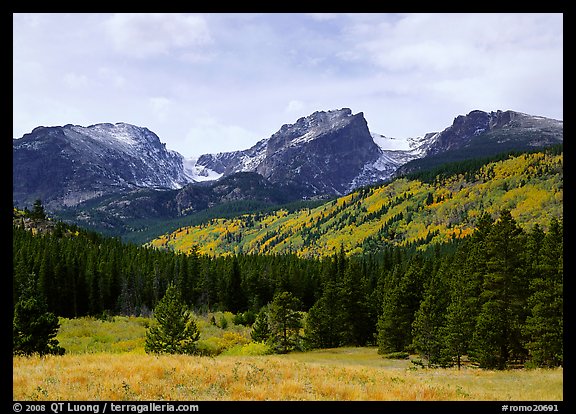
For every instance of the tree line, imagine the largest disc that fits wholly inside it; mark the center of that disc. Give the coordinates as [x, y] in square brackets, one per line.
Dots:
[495, 297]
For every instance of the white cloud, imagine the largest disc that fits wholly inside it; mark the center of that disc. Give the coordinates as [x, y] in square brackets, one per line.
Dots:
[323, 16]
[75, 80]
[145, 35]
[444, 42]
[220, 82]
[295, 106]
[210, 135]
[160, 107]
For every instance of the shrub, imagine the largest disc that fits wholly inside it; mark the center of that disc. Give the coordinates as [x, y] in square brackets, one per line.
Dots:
[216, 345]
[247, 318]
[249, 349]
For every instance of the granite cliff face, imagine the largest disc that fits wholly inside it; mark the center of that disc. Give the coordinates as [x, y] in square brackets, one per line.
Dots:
[482, 134]
[329, 152]
[506, 125]
[64, 166]
[324, 152]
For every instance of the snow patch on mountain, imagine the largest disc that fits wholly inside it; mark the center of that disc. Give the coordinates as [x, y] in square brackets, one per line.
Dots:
[383, 168]
[394, 153]
[251, 159]
[120, 134]
[197, 172]
[419, 146]
[389, 143]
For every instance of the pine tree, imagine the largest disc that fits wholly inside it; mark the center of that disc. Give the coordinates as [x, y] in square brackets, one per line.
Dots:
[235, 298]
[325, 325]
[390, 335]
[469, 268]
[34, 329]
[38, 212]
[490, 347]
[497, 338]
[401, 300]
[430, 320]
[285, 322]
[460, 313]
[359, 326]
[544, 326]
[176, 332]
[189, 286]
[260, 328]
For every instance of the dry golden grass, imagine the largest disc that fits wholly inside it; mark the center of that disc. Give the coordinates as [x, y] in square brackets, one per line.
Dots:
[346, 374]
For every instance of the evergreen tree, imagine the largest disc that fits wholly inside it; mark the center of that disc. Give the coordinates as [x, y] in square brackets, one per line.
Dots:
[465, 290]
[497, 337]
[285, 322]
[260, 328]
[325, 324]
[544, 325]
[176, 332]
[38, 212]
[461, 311]
[390, 335]
[401, 300]
[47, 286]
[189, 285]
[534, 253]
[235, 300]
[208, 285]
[490, 347]
[430, 320]
[20, 275]
[34, 329]
[358, 324]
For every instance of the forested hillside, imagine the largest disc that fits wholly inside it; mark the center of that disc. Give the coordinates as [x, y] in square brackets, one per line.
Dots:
[495, 296]
[461, 263]
[425, 208]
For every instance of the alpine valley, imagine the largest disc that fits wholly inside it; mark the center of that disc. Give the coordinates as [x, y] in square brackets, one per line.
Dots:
[121, 180]
[323, 238]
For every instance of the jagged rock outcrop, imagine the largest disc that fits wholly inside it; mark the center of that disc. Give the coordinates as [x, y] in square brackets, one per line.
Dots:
[329, 152]
[482, 134]
[66, 165]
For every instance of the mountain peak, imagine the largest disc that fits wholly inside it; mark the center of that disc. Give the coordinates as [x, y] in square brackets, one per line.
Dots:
[122, 133]
[507, 125]
[86, 162]
[322, 153]
[311, 127]
[327, 152]
[483, 134]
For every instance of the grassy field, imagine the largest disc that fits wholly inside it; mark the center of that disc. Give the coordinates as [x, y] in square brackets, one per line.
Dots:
[114, 367]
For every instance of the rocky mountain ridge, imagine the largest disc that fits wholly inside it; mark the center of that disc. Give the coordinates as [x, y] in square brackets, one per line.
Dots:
[118, 173]
[65, 166]
[483, 134]
[465, 128]
[329, 152]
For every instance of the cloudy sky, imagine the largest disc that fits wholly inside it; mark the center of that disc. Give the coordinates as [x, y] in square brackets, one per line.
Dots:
[207, 83]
